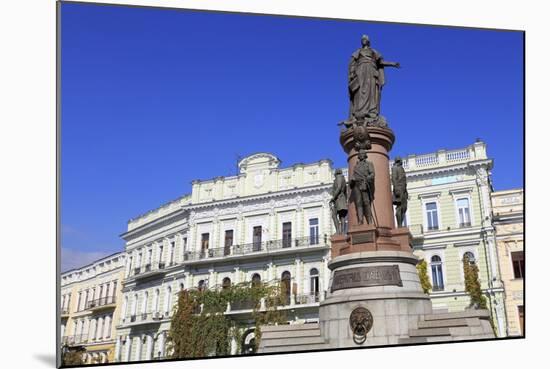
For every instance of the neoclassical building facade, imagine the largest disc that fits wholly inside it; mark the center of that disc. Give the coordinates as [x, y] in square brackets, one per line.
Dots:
[267, 223]
[508, 221]
[450, 217]
[273, 224]
[90, 306]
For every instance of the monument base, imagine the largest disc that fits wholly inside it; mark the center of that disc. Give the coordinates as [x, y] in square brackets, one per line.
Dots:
[383, 282]
[367, 237]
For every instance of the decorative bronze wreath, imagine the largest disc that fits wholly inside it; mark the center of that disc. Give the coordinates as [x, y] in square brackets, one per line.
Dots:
[360, 321]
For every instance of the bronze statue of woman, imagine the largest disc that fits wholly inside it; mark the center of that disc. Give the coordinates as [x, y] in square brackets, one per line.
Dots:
[365, 82]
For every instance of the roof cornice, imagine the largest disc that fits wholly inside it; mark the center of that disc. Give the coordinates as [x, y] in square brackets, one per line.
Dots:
[266, 196]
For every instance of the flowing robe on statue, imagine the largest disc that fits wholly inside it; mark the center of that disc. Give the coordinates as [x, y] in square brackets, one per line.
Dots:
[366, 78]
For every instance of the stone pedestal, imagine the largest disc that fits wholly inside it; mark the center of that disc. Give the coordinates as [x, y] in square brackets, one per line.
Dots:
[368, 237]
[373, 266]
[384, 282]
[374, 278]
[381, 142]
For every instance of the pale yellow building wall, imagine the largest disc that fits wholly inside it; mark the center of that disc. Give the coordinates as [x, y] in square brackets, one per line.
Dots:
[508, 215]
[444, 177]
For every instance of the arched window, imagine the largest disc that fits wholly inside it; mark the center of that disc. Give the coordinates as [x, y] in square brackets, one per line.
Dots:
[437, 273]
[226, 283]
[285, 286]
[134, 306]
[168, 305]
[249, 343]
[145, 302]
[161, 345]
[181, 287]
[129, 348]
[470, 257]
[201, 285]
[125, 307]
[156, 301]
[149, 348]
[256, 280]
[314, 282]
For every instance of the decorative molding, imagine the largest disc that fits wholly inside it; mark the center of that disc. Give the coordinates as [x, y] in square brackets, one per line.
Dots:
[467, 243]
[429, 195]
[436, 246]
[260, 205]
[460, 191]
[260, 197]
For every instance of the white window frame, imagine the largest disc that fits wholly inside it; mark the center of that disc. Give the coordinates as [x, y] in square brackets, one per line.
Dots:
[511, 263]
[438, 213]
[145, 301]
[425, 199]
[257, 221]
[168, 300]
[462, 193]
[200, 229]
[292, 230]
[160, 255]
[172, 256]
[428, 257]
[318, 276]
[149, 255]
[309, 219]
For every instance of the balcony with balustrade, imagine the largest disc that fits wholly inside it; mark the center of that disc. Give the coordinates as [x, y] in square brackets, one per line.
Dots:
[103, 303]
[74, 340]
[257, 249]
[290, 301]
[443, 158]
[147, 271]
[151, 317]
[64, 312]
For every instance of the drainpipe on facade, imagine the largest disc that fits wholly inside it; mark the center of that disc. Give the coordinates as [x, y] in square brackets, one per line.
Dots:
[488, 258]
[500, 274]
[498, 261]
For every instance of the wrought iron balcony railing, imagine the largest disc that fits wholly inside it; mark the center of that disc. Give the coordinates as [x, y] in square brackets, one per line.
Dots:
[307, 299]
[251, 248]
[150, 316]
[74, 340]
[244, 305]
[108, 300]
[148, 268]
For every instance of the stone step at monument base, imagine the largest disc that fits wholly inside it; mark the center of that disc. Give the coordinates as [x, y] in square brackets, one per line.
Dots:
[296, 348]
[440, 326]
[414, 340]
[292, 337]
[453, 326]
[442, 323]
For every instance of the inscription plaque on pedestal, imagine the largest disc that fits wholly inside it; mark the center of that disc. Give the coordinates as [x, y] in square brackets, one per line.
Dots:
[366, 277]
[362, 238]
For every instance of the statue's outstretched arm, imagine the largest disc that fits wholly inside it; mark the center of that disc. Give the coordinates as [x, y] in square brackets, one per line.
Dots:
[384, 63]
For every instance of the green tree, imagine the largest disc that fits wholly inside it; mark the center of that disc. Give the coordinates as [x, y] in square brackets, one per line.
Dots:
[200, 328]
[472, 284]
[422, 269]
[73, 357]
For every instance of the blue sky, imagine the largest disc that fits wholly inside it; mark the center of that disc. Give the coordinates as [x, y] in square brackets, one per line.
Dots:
[154, 98]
